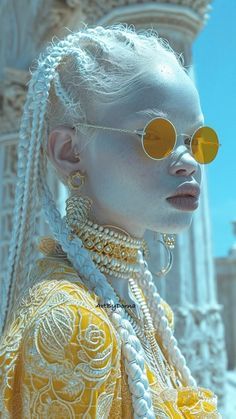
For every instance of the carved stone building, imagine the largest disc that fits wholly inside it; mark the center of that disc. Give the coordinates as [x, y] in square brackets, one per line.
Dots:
[190, 286]
[226, 285]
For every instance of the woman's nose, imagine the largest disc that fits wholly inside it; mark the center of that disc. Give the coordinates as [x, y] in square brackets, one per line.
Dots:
[182, 163]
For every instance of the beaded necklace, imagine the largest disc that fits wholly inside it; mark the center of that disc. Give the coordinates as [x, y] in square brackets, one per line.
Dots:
[114, 253]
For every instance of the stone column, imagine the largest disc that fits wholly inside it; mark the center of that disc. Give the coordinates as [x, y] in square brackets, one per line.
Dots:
[12, 96]
[226, 284]
[190, 286]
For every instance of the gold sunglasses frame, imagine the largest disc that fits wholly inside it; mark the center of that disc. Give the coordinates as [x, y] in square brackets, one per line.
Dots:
[141, 133]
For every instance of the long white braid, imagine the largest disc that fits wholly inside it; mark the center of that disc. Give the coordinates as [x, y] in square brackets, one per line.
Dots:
[161, 324]
[31, 132]
[67, 101]
[28, 152]
[21, 210]
[96, 281]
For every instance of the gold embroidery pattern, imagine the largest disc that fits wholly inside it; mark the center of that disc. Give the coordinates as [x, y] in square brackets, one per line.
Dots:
[60, 357]
[64, 349]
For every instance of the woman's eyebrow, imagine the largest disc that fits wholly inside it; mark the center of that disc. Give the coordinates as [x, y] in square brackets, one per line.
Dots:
[150, 112]
[155, 112]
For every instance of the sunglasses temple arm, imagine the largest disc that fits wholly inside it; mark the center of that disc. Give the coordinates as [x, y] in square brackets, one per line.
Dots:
[107, 128]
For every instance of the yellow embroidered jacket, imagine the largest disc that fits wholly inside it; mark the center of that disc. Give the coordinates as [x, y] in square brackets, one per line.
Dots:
[61, 358]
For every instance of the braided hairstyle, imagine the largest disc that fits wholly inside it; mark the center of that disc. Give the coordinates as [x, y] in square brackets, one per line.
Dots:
[100, 63]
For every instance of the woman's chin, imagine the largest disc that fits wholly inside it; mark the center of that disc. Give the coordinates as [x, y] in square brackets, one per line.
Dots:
[176, 227]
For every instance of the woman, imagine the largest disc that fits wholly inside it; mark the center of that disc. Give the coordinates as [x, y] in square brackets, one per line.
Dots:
[114, 112]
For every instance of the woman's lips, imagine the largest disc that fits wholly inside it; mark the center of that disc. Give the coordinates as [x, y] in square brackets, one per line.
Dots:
[184, 202]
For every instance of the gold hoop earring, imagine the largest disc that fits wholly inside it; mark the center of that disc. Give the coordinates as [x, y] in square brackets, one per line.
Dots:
[169, 244]
[75, 180]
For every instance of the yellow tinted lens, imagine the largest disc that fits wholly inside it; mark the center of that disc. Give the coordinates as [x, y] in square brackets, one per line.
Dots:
[159, 138]
[204, 145]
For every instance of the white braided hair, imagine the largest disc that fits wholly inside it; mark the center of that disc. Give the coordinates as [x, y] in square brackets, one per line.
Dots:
[87, 51]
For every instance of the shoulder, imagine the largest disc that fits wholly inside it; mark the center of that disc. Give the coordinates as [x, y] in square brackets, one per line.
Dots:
[67, 297]
[62, 346]
[69, 325]
[60, 315]
[71, 340]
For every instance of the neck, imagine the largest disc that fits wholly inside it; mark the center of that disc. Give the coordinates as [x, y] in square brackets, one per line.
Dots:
[126, 224]
[103, 216]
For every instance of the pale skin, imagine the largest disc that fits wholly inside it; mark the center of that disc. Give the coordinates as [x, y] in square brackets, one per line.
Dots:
[129, 189]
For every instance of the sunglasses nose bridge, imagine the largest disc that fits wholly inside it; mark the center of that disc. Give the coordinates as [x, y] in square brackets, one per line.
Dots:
[186, 137]
[182, 139]
[186, 141]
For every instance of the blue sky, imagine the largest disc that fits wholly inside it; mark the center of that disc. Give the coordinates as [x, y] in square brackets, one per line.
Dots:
[214, 57]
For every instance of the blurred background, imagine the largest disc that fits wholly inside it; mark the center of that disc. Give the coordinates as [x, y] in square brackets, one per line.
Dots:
[214, 53]
[201, 287]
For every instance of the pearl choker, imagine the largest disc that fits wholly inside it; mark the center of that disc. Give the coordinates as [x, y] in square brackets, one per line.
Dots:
[114, 253]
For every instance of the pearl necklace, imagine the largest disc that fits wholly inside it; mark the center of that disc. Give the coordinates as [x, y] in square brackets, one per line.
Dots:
[113, 253]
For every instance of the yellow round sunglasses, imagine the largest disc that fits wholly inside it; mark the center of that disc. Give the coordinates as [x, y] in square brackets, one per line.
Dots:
[159, 138]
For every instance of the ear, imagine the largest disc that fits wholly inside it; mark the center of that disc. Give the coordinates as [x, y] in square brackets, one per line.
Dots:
[62, 150]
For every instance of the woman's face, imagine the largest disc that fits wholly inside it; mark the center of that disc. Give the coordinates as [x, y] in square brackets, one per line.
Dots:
[128, 188]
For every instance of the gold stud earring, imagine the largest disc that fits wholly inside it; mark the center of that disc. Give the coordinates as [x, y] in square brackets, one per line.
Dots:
[75, 180]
